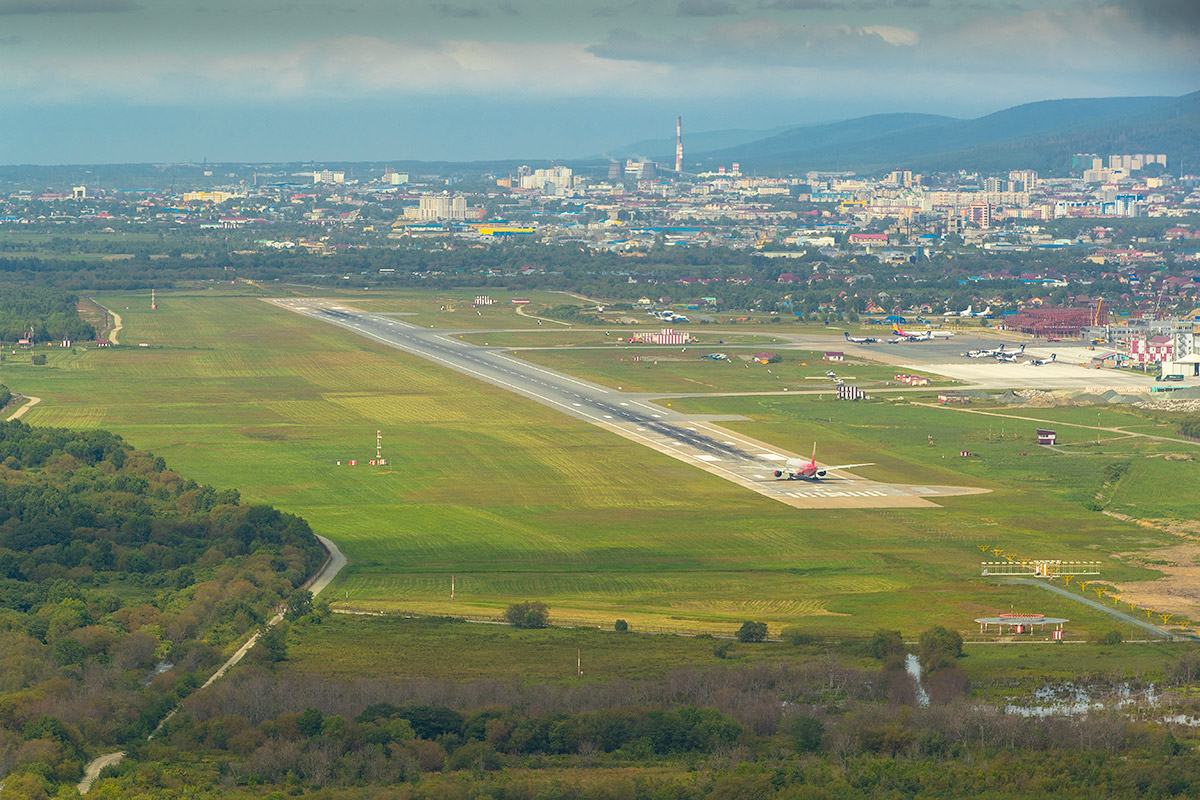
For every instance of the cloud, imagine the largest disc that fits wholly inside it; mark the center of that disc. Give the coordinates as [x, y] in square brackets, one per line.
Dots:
[1171, 16]
[65, 6]
[705, 8]
[797, 5]
[764, 42]
[456, 11]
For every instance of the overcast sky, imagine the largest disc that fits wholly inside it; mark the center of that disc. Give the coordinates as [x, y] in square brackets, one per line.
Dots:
[267, 80]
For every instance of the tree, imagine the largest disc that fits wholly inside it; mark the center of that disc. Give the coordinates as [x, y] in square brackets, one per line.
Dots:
[299, 604]
[528, 615]
[752, 632]
[807, 734]
[310, 721]
[274, 642]
[885, 644]
[621, 626]
[938, 647]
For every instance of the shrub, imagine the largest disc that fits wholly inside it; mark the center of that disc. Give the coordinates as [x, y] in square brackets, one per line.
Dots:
[721, 649]
[621, 626]
[1108, 637]
[528, 615]
[752, 632]
[38, 360]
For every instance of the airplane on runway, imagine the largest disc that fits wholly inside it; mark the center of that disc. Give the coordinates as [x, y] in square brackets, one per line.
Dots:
[801, 470]
[860, 339]
[1041, 362]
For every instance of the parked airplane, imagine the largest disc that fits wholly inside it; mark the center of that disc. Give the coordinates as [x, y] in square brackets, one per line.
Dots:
[799, 469]
[901, 336]
[860, 339]
[1041, 362]
[996, 352]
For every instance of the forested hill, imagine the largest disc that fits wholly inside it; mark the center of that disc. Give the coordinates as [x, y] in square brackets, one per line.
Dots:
[121, 584]
[1040, 136]
[49, 313]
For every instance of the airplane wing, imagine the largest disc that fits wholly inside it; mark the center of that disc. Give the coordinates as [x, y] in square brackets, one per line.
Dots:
[848, 466]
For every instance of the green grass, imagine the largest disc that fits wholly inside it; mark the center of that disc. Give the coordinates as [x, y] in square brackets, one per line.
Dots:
[453, 309]
[519, 502]
[394, 648]
[557, 336]
[678, 370]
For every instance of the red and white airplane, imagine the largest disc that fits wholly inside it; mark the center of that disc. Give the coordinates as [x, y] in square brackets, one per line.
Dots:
[799, 469]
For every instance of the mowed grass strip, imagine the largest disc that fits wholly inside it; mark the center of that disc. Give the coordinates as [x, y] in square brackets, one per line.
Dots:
[685, 369]
[523, 503]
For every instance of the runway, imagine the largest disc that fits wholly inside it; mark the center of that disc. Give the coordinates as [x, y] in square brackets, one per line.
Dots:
[693, 439]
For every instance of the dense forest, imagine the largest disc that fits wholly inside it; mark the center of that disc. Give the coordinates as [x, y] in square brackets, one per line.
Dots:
[822, 725]
[122, 584]
[48, 314]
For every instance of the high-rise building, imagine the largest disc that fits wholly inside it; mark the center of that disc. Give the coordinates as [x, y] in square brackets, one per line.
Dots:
[433, 207]
[1023, 180]
[679, 144]
[328, 176]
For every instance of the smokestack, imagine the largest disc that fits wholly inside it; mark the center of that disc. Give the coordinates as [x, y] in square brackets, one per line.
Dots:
[678, 144]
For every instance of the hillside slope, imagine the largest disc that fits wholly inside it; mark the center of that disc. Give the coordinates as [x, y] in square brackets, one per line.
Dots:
[1040, 135]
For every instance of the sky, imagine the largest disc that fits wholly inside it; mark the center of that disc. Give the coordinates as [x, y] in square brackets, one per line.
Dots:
[114, 81]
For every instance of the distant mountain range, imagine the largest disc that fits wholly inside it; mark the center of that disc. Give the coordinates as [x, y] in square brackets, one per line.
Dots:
[1041, 136]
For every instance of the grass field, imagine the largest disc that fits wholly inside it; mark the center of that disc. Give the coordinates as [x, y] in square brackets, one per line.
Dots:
[678, 370]
[555, 336]
[518, 502]
[393, 648]
[454, 309]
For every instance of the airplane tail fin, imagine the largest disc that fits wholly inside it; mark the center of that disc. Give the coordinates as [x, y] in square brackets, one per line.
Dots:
[814, 455]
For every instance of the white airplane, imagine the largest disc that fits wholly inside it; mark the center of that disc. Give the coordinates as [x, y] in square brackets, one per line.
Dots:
[799, 469]
[860, 339]
[901, 336]
[1041, 362]
[997, 352]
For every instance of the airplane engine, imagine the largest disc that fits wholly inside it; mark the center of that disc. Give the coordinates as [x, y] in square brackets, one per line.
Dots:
[821, 473]
[779, 473]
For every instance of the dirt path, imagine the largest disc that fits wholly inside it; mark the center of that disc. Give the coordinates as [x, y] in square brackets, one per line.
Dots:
[93, 769]
[320, 579]
[521, 313]
[117, 325]
[20, 412]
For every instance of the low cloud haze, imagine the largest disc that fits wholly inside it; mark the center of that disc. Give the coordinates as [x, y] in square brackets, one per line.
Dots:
[106, 80]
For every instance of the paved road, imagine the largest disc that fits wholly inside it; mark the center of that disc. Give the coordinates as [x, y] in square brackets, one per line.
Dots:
[693, 439]
[1112, 612]
[320, 579]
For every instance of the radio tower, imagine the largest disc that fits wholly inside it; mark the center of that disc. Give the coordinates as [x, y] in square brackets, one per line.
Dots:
[678, 144]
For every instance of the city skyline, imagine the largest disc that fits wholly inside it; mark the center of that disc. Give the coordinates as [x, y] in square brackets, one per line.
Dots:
[118, 80]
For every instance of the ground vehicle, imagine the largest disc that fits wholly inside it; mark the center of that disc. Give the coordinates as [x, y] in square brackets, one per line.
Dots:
[1169, 378]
